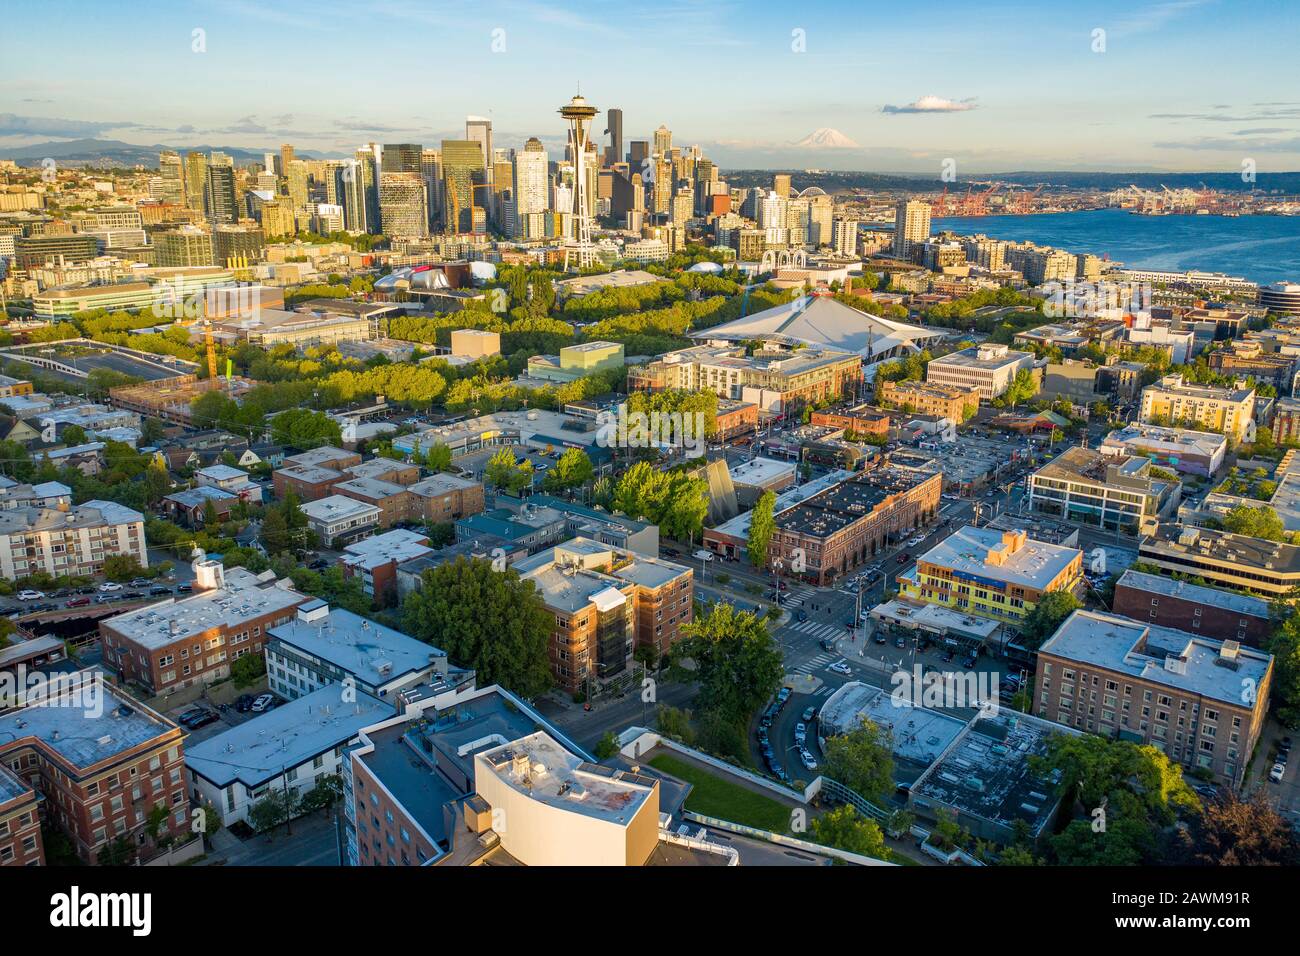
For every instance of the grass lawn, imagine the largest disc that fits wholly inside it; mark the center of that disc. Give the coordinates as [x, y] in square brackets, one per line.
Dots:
[714, 796]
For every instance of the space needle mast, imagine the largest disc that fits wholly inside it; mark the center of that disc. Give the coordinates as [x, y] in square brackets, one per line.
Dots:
[579, 113]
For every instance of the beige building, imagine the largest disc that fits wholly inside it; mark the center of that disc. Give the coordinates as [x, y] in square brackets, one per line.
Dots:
[1176, 691]
[989, 369]
[1230, 411]
[953, 402]
[68, 541]
[475, 343]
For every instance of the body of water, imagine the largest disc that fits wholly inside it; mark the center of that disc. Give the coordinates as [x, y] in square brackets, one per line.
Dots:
[1260, 248]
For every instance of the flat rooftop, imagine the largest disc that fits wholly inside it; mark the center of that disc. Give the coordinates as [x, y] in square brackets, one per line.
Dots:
[1214, 597]
[988, 554]
[321, 456]
[287, 736]
[761, 471]
[337, 508]
[89, 722]
[221, 473]
[738, 526]
[524, 423]
[542, 769]
[935, 618]
[244, 597]
[311, 474]
[1172, 441]
[91, 514]
[1145, 651]
[987, 771]
[1223, 546]
[838, 507]
[919, 735]
[396, 545]
[372, 653]
[979, 357]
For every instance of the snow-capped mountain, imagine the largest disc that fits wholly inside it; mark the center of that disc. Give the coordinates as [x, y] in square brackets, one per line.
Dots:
[827, 138]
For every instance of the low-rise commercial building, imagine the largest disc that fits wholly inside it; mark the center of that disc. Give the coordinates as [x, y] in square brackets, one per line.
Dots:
[1188, 452]
[1179, 692]
[1268, 568]
[1110, 491]
[1001, 575]
[341, 518]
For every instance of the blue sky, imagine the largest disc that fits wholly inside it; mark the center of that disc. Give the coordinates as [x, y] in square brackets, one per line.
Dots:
[996, 86]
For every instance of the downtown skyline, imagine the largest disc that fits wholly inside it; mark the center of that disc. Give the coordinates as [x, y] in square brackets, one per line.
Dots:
[997, 88]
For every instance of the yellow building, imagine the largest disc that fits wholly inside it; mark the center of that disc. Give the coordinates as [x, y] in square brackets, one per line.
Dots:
[991, 573]
[1171, 401]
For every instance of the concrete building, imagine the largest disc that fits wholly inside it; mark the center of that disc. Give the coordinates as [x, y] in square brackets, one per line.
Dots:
[1187, 452]
[1152, 685]
[75, 541]
[577, 361]
[990, 369]
[995, 574]
[101, 763]
[1109, 491]
[175, 644]
[1229, 411]
[1165, 602]
[475, 344]
[911, 227]
[1267, 568]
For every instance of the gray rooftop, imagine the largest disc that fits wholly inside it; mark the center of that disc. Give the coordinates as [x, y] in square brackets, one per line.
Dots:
[973, 552]
[262, 748]
[1214, 597]
[372, 653]
[1144, 651]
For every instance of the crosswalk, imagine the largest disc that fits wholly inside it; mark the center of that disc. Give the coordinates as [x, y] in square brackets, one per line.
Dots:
[818, 629]
[816, 663]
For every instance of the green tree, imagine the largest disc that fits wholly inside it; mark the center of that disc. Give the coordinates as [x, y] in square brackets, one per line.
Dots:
[73, 435]
[572, 470]
[1047, 615]
[1255, 523]
[1235, 832]
[272, 810]
[863, 760]
[303, 428]
[275, 532]
[491, 621]
[504, 473]
[247, 670]
[762, 524]
[737, 663]
[121, 567]
[607, 746]
[845, 829]
[438, 459]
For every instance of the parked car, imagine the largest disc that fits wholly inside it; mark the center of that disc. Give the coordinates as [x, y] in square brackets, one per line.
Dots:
[185, 587]
[160, 590]
[109, 586]
[880, 638]
[1278, 771]
[900, 642]
[948, 656]
[244, 703]
[809, 713]
[320, 564]
[30, 595]
[139, 582]
[807, 759]
[970, 661]
[78, 602]
[201, 719]
[263, 702]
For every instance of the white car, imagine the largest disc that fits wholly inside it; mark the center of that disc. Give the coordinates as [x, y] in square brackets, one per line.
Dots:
[30, 595]
[1279, 769]
[108, 586]
[840, 667]
[262, 703]
[807, 760]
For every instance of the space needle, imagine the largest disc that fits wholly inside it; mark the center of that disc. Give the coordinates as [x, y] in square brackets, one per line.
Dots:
[579, 113]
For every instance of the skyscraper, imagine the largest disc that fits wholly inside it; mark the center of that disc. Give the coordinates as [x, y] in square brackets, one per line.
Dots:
[911, 227]
[296, 183]
[614, 130]
[531, 191]
[431, 172]
[579, 113]
[401, 158]
[220, 203]
[663, 141]
[286, 157]
[403, 204]
[196, 173]
[781, 185]
[478, 129]
[462, 170]
[172, 173]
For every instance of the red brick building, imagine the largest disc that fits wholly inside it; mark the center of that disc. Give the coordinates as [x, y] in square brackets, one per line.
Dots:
[1225, 615]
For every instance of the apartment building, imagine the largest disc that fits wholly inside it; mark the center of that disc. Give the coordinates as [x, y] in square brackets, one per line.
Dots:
[181, 643]
[989, 369]
[322, 646]
[861, 420]
[20, 822]
[1165, 602]
[1286, 420]
[374, 560]
[953, 402]
[101, 762]
[1001, 575]
[1115, 492]
[341, 518]
[313, 474]
[606, 603]
[1270, 569]
[1249, 360]
[75, 541]
[1171, 401]
[1187, 452]
[776, 381]
[828, 534]
[1176, 691]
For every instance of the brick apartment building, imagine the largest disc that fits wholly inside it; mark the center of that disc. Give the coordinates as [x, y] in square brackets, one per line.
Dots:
[1180, 692]
[953, 402]
[860, 420]
[1154, 599]
[313, 474]
[845, 526]
[102, 763]
[374, 560]
[175, 644]
[20, 822]
[440, 498]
